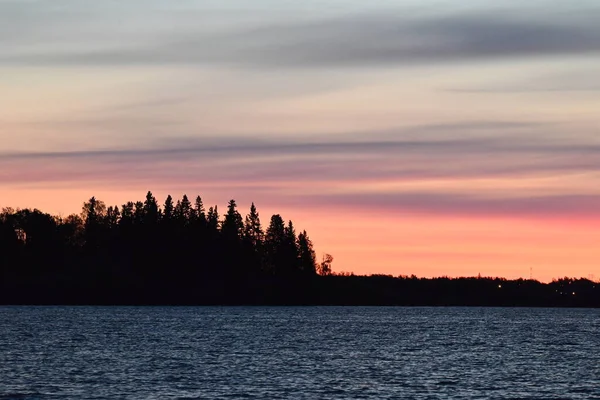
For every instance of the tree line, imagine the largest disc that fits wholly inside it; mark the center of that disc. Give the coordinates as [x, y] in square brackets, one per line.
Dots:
[178, 252]
[145, 243]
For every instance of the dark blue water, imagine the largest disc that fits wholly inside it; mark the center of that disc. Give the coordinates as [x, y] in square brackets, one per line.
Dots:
[312, 352]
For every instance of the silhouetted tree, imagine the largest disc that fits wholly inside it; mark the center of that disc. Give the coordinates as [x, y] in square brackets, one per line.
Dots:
[306, 254]
[139, 213]
[232, 224]
[93, 213]
[71, 230]
[151, 210]
[112, 216]
[275, 244]
[325, 265]
[212, 219]
[200, 212]
[183, 210]
[168, 208]
[253, 232]
[291, 263]
[127, 215]
[11, 246]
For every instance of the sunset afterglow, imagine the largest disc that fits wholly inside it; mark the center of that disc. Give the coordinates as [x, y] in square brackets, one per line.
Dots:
[407, 137]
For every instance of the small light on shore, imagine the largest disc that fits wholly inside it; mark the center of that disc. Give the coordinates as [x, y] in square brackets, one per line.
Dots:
[499, 286]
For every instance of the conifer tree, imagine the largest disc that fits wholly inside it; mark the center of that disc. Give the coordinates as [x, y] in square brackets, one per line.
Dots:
[199, 210]
[151, 210]
[306, 254]
[276, 231]
[127, 213]
[138, 212]
[290, 234]
[112, 216]
[253, 232]
[183, 210]
[275, 245]
[93, 211]
[168, 208]
[290, 249]
[232, 224]
[212, 219]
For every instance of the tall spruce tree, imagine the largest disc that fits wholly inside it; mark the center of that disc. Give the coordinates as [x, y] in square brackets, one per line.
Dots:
[306, 254]
[212, 219]
[199, 211]
[183, 210]
[275, 245]
[233, 224]
[290, 249]
[168, 208]
[151, 209]
[253, 232]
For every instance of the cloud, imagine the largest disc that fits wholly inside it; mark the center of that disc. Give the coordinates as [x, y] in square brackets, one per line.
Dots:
[404, 154]
[444, 203]
[374, 38]
[388, 40]
[377, 143]
[377, 170]
[575, 80]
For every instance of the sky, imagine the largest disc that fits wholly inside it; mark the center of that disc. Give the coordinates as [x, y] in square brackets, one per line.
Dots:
[426, 137]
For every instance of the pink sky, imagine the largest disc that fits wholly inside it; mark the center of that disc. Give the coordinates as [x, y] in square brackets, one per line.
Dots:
[411, 137]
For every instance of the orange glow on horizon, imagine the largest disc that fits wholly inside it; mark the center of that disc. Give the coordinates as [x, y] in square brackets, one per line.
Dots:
[366, 241]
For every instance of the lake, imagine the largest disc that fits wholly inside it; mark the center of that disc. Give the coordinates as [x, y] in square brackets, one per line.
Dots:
[298, 352]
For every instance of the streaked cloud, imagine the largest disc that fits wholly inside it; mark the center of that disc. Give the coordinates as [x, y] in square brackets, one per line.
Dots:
[577, 80]
[347, 172]
[400, 35]
[468, 204]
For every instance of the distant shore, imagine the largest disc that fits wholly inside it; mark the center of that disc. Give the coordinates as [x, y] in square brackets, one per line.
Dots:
[348, 290]
[142, 253]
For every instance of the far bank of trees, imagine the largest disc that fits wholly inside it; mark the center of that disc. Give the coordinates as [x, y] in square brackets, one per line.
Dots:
[179, 252]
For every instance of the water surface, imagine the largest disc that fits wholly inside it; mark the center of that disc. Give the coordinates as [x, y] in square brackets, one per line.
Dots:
[298, 352]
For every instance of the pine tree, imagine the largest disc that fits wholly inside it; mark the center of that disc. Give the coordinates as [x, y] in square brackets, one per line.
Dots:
[199, 210]
[212, 219]
[138, 212]
[232, 224]
[275, 245]
[290, 250]
[168, 209]
[127, 213]
[253, 232]
[306, 254]
[112, 216]
[151, 210]
[276, 231]
[290, 234]
[183, 210]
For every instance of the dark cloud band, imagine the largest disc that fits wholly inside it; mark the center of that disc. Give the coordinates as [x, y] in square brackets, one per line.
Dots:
[370, 39]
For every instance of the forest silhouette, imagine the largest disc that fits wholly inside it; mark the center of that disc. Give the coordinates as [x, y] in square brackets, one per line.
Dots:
[180, 253]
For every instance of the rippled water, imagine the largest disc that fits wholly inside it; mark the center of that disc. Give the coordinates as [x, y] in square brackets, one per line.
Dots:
[312, 352]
